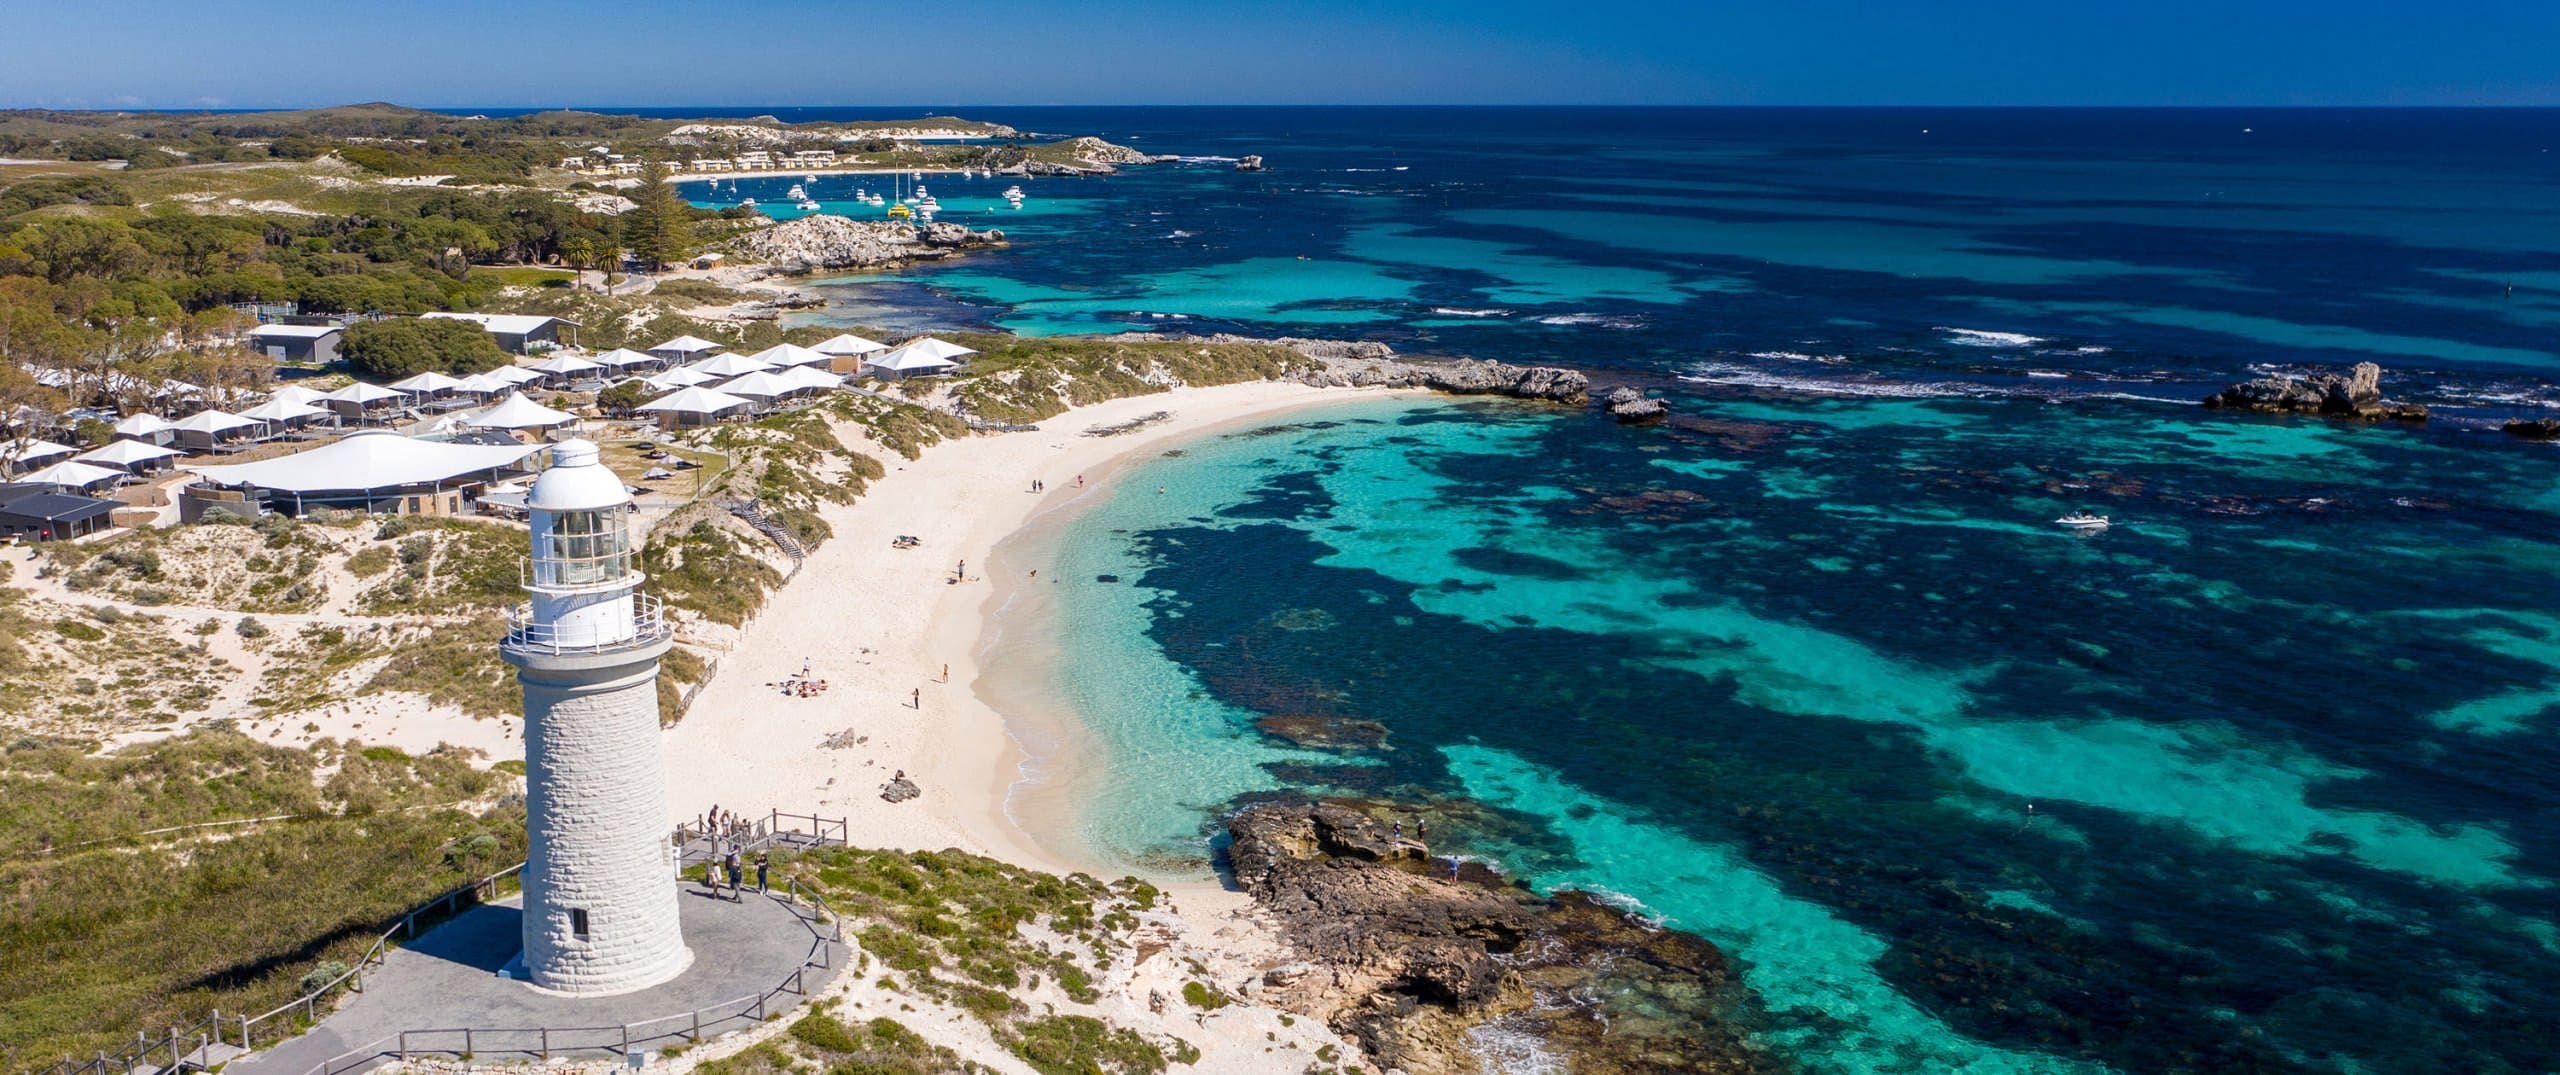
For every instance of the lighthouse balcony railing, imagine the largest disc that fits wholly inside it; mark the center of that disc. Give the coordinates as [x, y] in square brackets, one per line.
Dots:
[649, 624]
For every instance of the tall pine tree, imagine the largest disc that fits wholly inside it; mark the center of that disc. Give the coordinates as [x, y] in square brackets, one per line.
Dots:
[660, 230]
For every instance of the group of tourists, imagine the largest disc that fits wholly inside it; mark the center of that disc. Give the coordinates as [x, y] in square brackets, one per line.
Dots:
[726, 830]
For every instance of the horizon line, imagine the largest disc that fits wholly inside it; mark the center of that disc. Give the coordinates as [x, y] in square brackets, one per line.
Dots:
[946, 109]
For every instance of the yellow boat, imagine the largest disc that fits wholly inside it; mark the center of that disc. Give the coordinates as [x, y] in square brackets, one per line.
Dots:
[899, 212]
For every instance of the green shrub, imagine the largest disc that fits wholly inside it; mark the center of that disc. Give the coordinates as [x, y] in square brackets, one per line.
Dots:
[77, 631]
[249, 627]
[328, 970]
[1202, 996]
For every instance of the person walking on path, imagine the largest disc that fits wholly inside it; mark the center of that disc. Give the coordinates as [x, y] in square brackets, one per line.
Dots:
[762, 864]
[963, 573]
[946, 673]
[915, 699]
[737, 878]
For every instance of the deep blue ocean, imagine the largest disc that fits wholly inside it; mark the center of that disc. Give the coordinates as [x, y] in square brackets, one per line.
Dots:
[2260, 779]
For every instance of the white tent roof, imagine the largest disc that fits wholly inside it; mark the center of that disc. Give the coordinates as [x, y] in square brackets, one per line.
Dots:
[687, 345]
[482, 384]
[809, 377]
[849, 344]
[697, 400]
[372, 459]
[73, 472]
[791, 354]
[517, 412]
[677, 378]
[624, 356]
[726, 365]
[909, 360]
[514, 374]
[933, 348]
[141, 425]
[124, 453]
[277, 410]
[34, 449]
[510, 324]
[294, 393]
[294, 332]
[430, 381]
[564, 365]
[219, 421]
[358, 393]
[762, 384]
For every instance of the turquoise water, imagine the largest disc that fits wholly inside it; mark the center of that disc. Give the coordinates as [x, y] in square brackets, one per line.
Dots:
[2252, 781]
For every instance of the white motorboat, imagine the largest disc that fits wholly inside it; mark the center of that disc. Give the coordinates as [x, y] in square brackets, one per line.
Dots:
[748, 203]
[2082, 522]
[797, 193]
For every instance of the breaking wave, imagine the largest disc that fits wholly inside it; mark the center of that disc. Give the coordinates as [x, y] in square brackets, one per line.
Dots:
[1975, 337]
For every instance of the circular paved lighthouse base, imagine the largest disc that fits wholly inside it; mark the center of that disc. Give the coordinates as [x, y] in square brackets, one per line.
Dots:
[448, 979]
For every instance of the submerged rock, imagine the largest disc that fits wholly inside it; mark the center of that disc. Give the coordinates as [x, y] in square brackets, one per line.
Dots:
[2357, 394]
[1324, 732]
[1250, 162]
[1404, 955]
[2534, 428]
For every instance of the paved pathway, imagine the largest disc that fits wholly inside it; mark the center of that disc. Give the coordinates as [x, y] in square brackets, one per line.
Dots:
[448, 979]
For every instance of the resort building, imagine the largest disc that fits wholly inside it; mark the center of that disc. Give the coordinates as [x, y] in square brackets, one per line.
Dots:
[37, 513]
[307, 345]
[522, 334]
[371, 470]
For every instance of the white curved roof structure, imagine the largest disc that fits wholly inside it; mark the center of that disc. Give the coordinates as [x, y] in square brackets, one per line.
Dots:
[791, 354]
[907, 360]
[677, 378]
[566, 366]
[848, 344]
[369, 460]
[697, 400]
[687, 345]
[358, 393]
[430, 381]
[806, 377]
[142, 425]
[124, 453]
[624, 356]
[482, 384]
[762, 384]
[729, 365]
[294, 393]
[34, 449]
[515, 374]
[73, 473]
[933, 348]
[222, 421]
[517, 412]
[277, 410]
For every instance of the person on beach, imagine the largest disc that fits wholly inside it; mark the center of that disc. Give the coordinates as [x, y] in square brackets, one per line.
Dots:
[1079, 481]
[946, 672]
[915, 698]
[805, 663]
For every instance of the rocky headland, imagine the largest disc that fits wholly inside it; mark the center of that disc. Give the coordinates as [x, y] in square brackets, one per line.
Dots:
[825, 241]
[1083, 156]
[1408, 957]
[2354, 394]
[1366, 364]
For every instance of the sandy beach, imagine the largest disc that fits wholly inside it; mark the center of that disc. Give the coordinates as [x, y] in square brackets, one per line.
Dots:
[880, 625]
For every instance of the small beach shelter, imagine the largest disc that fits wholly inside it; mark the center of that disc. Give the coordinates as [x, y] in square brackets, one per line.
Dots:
[905, 362]
[760, 385]
[515, 375]
[146, 427]
[729, 365]
[791, 354]
[356, 399]
[625, 359]
[566, 368]
[809, 379]
[695, 406]
[294, 393]
[32, 453]
[933, 348]
[132, 456]
[684, 348]
[427, 384]
[204, 429]
[677, 378]
[285, 414]
[75, 475]
[517, 412]
[481, 384]
[848, 344]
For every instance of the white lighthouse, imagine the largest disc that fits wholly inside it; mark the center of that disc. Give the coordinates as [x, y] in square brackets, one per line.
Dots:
[599, 893]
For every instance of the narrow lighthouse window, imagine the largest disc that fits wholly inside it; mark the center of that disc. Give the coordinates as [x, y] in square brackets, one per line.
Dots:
[578, 922]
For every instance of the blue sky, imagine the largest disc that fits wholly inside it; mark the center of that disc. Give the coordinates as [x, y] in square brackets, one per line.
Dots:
[259, 53]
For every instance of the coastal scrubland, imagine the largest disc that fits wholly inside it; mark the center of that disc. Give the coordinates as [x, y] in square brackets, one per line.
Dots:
[147, 887]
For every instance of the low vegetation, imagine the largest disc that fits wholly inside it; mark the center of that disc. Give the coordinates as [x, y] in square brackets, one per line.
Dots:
[115, 927]
[819, 1041]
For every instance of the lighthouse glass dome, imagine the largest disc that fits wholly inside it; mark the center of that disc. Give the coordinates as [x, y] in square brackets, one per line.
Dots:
[587, 547]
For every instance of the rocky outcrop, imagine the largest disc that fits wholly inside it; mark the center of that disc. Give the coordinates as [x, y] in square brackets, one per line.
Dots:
[2357, 394]
[824, 241]
[2534, 428]
[1251, 162]
[1632, 406]
[1320, 732]
[900, 789]
[1084, 156]
[1323, 350]
[1465, 377]
[1396, 953]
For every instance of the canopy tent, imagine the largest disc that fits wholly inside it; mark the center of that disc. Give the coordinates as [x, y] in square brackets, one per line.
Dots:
[369, 461]
[294, 393]
[515, 375]
[683, 348]
[802, 378]
[698, 403]
[566, 366]
[905, 362]
[21, 454]
[849, 345]
[762, 384]
[125, 454]
[517, 412]
[145, 426]
[728, 365]
[933, 348]
[427, 384]
[361, 394]
[791, 354]
[283, 412]
[482, 384]
[677, 378]
[75, 475]
[625, 358]
[210, 427]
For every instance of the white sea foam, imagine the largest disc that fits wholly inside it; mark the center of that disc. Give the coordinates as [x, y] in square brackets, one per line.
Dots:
[2047, 373]
[1508, 1050]
[1975, 337]
[1204, 160]
[1799, 356]
[1746, 377]
[1178, 233]
[1460, 311]
[1601, 320]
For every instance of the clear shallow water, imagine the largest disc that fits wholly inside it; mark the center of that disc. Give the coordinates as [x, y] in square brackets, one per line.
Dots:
[2258, 780]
